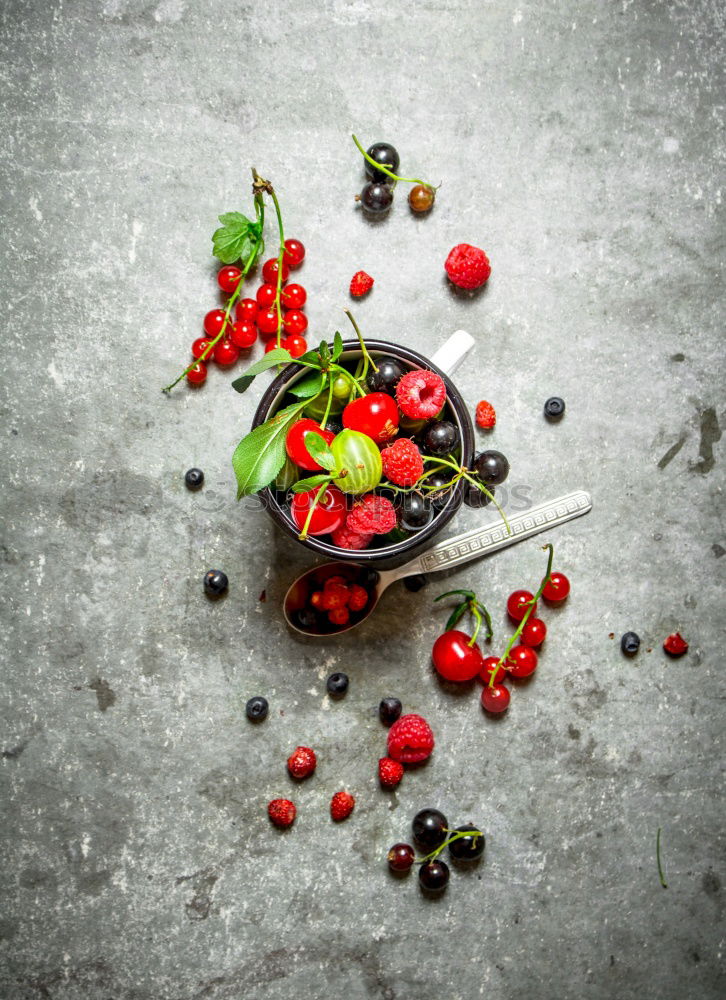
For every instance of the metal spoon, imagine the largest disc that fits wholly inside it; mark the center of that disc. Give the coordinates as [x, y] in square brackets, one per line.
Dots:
[444, 555]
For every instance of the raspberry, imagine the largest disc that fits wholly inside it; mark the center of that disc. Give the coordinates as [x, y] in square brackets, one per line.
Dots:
[344, 538]
[402, 462]
[301, 762]
[372, 514]
[335, 596]
[360, 284]
[339, 616]
[316, 599]
[675, 645]
[281, 812]
[358, 598]
[410, 739]
[485, 414]
[467, 266]
[341, 806]
[390, 772]
[420, 393]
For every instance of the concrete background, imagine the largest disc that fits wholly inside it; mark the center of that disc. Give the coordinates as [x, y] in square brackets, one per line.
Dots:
[581, 145]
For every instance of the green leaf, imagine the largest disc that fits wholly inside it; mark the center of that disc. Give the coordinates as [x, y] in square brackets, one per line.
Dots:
[455, 616]
[324, 352]
[318, 448]
[232, 241]
[337, 346]
[261, 454]
[311, 483]
[310, 358]
[276, 356]
[307, 387]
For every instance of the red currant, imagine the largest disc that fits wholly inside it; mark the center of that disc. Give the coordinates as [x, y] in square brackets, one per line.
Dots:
[246, 310]
[294, 253]
[294, 296]
[518, 606]
[495, 699]
[534, 633]
[329, 512]
[265, 297]
[295, 443]
[295, 322]
[268, 322]
[521, 662]
[375, 415]
[213, 322]
[225, 353]
[491, 664]
[270, 269]
[557, 587]
[199, 347]
[270, 345]
[296, 345]
[243, 334]
[454, 658]
[228, 278]
[197, 374]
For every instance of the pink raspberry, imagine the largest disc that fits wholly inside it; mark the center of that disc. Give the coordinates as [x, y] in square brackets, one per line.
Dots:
[410, 740]
[420, 394]
[467, 266]
[372, 514]
[402, 462]
[345, 538]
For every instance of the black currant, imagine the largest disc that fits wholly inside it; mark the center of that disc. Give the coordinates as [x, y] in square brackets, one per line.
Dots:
[435, 484]
[306, 619]
[400, 857]
[416, 512]
[256, 709]
[387, 376]
[337, 684]
[385, 153]
[193, 478]
[376, 198]
[474, 497]
[389, 710]
[434, 875]
[334, 426]
[415, 583]
[467, 848]
[491, 467]
[554, 408]
[368, 578]
[429, 828]
[215, 583]
[441, 437]
[630, 643]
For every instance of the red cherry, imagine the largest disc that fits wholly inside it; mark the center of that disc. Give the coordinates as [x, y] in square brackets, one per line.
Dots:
[295, 322]
[294, 296]
[197, 374]
[225, 353]
[295, 443]
[534, 632]
[243, 334]
[375, 415]
[517, 606]
[495, 699]
[199, 347]
[267, 321]
[491, 664]
[228, 278]
[213, 322]
[454, 658]
[557, 587]
[521, 662]
[328, 515]
[246, 310]
[295, 345]
[265, 297]
[270, 269]
[294, 253]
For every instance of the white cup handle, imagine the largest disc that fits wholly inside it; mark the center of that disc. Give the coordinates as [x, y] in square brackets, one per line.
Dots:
[451, 353]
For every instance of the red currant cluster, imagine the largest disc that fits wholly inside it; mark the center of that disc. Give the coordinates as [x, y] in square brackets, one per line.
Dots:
[253, 316]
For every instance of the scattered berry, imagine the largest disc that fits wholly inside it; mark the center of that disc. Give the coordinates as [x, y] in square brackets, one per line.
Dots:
[467, 266]
[495, 699]
[434, 875]
[270, 271]
[410, 739]
[389, 710]
[360, 284]
[389, 371]
[455, 657]
[256, 709]
[521, 662]
[294, 296]
[193, 478]
[385, 154]
[491, 665]
[341, 806]
[485, 415]
[214, 321]
[469, 848]
[372, 514]
[491, 467]
[421, 198]
[376, 198]
[675, 645]
[228, 278]
[421, 394]
[402, 462]
[375, 415]
[215, 583]
[518, 604]
[400, 857]
[302, 762]
[557, 588]
[197, 374]
[345, 538]
[390, 772]
[294, 254]
[534, 633]
[429, 827]
[630, 643]
[554, 408]
[282, 812]
[337, 684]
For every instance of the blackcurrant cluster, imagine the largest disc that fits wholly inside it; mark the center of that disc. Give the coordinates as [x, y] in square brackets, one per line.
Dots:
[376, 197]
[431, 833]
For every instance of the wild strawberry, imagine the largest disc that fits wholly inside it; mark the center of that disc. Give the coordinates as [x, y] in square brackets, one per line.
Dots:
[341, 806]
[282, 812]
[360, 284]
[485, 414]
[302, 762]
[390, 772]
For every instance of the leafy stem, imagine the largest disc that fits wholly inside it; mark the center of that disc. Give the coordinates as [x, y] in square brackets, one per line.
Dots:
[367, 359]
[475, 608]
[281, 254]
[389, 173]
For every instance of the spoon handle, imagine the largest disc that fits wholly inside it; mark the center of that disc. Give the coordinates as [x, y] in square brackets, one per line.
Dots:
[490, 537]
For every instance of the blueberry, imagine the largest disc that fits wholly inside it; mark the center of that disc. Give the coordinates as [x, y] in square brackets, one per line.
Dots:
[469, 848]
[256, 709]
[441, 437]
[337, 684]
[474, 497]
[415, 583]
[630, 643]
[554, 408]
[491, 467]
[389, 710]
[193, 478]
[387, 376]
[416, 512]
[306, 619]
[385, 153]
[376, 198]
[434, 875]
[215, 583]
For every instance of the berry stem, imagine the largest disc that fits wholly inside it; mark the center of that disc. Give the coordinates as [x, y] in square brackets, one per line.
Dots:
[458, 835]
[462, 473]
[280, 256]
[389, 173]
[324, 421]
[321, 490]
[367, 359]
[661, 876]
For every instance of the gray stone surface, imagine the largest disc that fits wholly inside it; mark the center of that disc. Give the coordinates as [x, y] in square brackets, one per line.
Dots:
[581, 145]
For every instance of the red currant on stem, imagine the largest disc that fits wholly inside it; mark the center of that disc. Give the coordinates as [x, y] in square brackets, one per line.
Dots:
[243, 334]
[495, 699]
[214, 322]
[268, 322]
[521, 661]
[225, 353]
[296, 346]
[518, 604]
[491, 665]
[265, 296]
[270, 271]
[228, 278]
[197, 373]
[533, 633]
[557, 588]
[294, 296]
[294, 253]
[295, 322]
[200, 346]
[318, 512]
[246, 310]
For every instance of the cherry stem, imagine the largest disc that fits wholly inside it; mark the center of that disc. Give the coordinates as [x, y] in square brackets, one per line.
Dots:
[458, 835]
[389, 173]
[321, 490]
[525, 619]
[324, 421]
